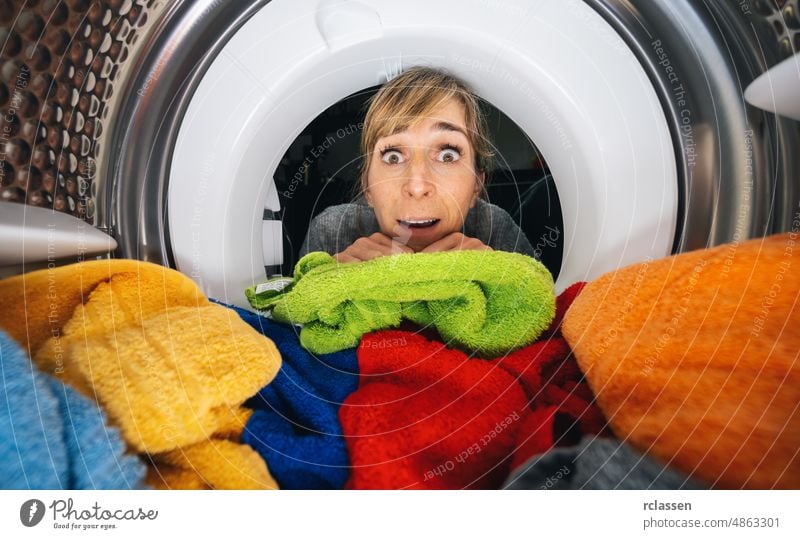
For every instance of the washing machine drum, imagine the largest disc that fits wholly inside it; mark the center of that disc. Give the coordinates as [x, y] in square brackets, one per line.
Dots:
[636, 106]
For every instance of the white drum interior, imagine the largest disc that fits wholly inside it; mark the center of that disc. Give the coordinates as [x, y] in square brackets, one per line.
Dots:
[556, 68]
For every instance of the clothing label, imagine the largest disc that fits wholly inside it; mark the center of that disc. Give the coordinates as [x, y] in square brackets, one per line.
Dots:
[274, 285]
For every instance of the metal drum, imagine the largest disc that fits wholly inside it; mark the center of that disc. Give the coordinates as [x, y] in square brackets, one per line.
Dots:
[94, 94]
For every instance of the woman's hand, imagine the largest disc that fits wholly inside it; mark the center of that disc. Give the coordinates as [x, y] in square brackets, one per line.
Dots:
[370, 247]
[456, 241]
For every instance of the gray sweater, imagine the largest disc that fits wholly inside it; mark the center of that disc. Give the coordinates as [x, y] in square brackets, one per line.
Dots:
[337, 227]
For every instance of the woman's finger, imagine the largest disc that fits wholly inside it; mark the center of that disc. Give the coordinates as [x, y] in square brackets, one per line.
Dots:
[367, 253]
[448, 243]
[456, 241]
[344, 258]
[369, 247]
[379, 239]
[380, 242]
[391, 244]
[399, 248]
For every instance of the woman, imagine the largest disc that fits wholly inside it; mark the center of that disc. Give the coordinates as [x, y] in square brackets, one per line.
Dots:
[425, 159]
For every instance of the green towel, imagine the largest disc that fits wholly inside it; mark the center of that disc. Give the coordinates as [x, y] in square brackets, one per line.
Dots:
[486, 302]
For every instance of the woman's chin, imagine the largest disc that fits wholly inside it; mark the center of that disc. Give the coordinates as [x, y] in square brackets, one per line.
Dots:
[419, 237]
[418, 245]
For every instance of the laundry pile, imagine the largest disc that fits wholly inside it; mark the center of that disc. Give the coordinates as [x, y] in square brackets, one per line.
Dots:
[489, 302]
[161, 366]
[404, 410]
[467, 373]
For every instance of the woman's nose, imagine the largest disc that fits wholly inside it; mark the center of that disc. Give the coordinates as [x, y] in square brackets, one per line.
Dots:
[418, 184]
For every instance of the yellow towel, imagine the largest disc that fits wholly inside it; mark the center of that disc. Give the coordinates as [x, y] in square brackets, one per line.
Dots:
[695, 359]
[217, 464]
[170, 369]
[37, 304]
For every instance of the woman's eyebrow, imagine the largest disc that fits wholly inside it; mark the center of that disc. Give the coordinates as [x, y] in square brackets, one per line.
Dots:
[438, 126]
[447, 126]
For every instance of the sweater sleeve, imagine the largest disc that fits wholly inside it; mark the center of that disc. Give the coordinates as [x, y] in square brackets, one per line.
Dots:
[316, 235]
[332, 231]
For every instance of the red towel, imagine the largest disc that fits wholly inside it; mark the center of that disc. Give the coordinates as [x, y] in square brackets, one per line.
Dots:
[425, 416]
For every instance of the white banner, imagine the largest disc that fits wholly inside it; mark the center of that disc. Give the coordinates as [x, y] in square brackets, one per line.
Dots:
[403, 514]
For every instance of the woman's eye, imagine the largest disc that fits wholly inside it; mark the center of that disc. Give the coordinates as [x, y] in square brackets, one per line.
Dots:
[449, 155]
[392, 157]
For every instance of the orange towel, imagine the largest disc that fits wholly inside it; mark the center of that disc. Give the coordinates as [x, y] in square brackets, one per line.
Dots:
[695, 359]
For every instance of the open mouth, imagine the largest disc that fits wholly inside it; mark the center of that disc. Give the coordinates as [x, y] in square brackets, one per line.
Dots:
[418, 223]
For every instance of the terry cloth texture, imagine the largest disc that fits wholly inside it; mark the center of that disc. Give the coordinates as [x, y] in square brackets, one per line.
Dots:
[337, 227]
[596, 464]
[169, 369]
[52, 437]
[295, 426]
[216, 463]
[489, 302]
[694, 359]
[428, 417]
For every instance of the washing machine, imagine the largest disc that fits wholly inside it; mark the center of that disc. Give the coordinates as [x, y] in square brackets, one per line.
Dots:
[179, 132]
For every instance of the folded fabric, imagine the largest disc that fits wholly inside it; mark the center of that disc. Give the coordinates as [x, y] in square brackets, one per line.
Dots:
[694, 359]
[295, 426]
[425, 416]
[597, 463]
[488, 302]
[170, 369]
[211, 464]
[52, 437]
[37, 304]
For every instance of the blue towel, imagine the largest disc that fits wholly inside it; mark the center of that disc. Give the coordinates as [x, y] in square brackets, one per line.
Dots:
[52, 437]
[295, 426]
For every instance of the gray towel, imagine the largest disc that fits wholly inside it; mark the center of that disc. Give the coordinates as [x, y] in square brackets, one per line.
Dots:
[596, 463]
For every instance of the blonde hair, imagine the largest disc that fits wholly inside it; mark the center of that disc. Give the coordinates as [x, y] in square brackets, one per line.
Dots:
[407, 99]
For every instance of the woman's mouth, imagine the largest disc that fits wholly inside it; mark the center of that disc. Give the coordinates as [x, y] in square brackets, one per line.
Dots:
[418, 223]
[418, 232]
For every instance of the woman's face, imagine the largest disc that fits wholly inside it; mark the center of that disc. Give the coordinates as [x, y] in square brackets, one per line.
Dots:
[422, 181]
